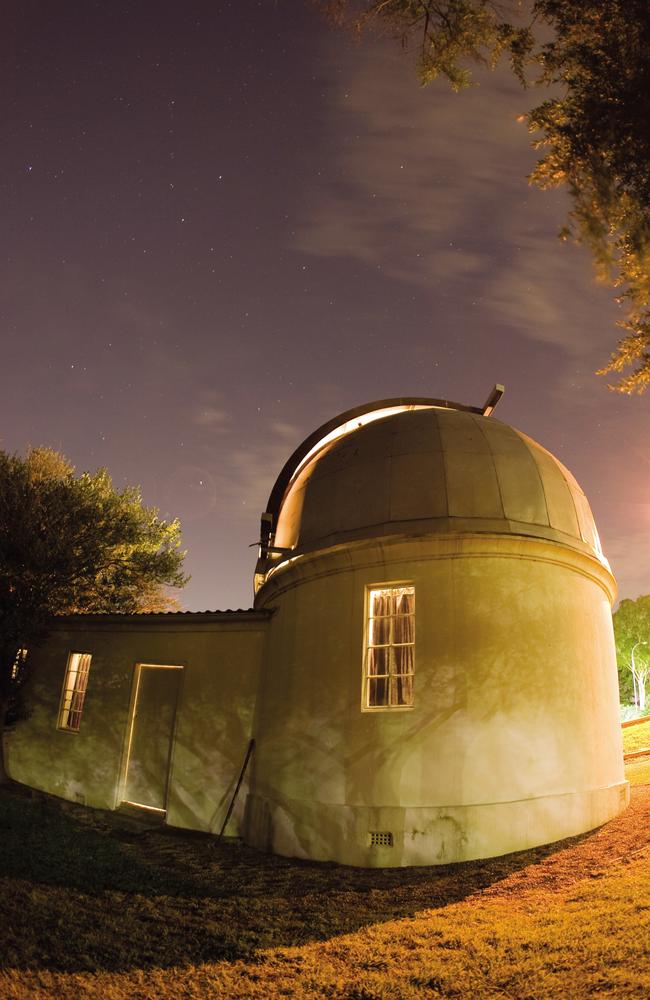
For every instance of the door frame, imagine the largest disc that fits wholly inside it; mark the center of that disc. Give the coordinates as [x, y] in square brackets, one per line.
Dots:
[128, 737]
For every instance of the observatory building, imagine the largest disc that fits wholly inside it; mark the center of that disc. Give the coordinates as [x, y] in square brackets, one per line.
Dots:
[427, 676]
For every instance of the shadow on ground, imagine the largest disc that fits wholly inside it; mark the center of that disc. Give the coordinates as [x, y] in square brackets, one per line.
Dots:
[84, 891]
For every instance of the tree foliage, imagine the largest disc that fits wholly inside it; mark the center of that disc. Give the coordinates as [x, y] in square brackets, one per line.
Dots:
[593, 132]
[71, 544]
[632, 635]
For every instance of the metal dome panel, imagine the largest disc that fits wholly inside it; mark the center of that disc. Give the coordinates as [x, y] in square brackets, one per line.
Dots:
[431, 470]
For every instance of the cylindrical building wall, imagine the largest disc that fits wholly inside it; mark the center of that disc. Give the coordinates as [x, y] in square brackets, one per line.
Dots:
[512, 740]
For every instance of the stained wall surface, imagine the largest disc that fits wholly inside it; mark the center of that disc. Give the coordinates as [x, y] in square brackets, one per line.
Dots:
[220, 656]
[513, 739]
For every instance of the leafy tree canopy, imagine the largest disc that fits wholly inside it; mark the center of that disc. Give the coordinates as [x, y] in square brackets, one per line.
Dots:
[71, 544]
[594, 132]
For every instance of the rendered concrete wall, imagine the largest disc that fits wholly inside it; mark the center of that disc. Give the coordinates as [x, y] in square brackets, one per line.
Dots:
[513, 740]
[221, 656]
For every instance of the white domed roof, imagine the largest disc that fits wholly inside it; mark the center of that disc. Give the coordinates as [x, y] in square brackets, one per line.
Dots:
[423, 469]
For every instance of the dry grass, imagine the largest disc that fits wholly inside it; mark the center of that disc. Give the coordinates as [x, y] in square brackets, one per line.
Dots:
[638, 771]
[92, 909]
[636, 737]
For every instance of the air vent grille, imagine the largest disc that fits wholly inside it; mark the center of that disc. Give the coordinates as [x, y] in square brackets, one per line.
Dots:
[381, 838]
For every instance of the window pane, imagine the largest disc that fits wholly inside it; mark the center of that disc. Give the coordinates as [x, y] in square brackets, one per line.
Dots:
[377, 691]
[379, 631]
[82, 674]
[378, 661]
[381, 603]
[405, 602]
[403, 659]
[401, 690]
[403, 628]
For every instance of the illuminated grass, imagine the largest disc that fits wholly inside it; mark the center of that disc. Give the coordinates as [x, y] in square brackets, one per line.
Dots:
[89, 909]
[638, 771]
[636, 737]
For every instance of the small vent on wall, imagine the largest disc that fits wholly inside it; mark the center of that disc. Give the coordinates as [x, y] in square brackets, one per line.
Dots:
[381, 839]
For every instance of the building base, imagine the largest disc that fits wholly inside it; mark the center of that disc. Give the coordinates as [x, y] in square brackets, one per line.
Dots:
[392, 837]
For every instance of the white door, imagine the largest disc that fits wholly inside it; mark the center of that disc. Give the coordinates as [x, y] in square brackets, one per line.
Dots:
[151, 735]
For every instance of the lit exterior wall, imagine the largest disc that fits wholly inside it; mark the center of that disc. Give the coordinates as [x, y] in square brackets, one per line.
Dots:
[221, 656]
[513, 739]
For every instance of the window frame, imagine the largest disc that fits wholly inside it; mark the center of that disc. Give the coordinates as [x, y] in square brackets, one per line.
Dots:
[392, 585]
[18, 666]
[67, 711]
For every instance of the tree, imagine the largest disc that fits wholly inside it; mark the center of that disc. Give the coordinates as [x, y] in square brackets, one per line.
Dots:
[72, 544]
[632, 635]
[593, 132]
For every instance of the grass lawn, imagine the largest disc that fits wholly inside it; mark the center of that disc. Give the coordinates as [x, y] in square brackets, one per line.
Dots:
[636, 737]
[93, 907]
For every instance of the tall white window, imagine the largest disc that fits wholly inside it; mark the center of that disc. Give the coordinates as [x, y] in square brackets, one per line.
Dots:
[74, 691]
[390, 648]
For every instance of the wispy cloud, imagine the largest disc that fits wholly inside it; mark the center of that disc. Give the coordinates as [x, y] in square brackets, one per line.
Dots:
[408, 168]
[224, 477]
[249, 472]
[428, 188]
[211, 413]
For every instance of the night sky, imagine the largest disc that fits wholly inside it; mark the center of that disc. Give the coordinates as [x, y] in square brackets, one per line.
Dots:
[224, 223]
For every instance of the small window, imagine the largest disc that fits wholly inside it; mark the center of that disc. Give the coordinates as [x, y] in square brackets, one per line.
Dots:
[18, 666]
[74, 691]
[390, 648]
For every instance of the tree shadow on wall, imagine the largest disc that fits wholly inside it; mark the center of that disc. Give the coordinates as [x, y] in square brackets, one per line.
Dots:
[83, 892]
